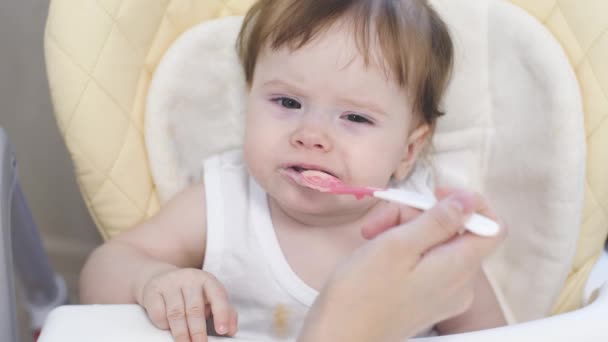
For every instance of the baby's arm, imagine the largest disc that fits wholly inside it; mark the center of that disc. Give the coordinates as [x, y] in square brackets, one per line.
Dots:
[157, 264]
[174, 238]
[484, 313]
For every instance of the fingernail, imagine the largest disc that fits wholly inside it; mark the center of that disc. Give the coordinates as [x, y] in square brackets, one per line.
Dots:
[222, 329]
[462, 201]
[457, 203]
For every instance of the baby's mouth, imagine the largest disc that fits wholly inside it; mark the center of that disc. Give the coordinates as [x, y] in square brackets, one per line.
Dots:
[298, 169]
[316, 179]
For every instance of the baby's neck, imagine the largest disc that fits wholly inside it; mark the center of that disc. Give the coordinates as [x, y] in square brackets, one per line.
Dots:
[313, 246]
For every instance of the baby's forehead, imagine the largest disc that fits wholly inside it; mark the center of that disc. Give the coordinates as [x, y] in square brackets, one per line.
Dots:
[331, 62]
[335, 48]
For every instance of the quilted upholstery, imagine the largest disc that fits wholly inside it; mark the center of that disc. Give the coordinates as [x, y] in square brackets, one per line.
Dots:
[100, 57]
[582, 29]
[101, 54]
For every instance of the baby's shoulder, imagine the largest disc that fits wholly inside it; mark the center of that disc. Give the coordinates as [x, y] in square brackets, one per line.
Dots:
[190, 199]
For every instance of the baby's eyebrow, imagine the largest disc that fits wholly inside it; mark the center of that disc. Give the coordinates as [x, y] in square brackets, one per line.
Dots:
[285, 84]
[365, 105]
[362, 104]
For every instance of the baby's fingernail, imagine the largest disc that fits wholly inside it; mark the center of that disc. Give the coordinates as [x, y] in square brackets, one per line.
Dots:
[222, 329]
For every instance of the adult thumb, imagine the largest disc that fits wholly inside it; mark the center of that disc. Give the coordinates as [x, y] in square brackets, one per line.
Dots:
[440, 223]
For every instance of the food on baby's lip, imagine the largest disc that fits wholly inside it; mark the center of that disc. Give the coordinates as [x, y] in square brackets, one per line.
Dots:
[320, 181]
[324, 182]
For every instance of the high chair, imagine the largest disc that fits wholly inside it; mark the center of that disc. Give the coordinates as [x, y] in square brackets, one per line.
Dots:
[22, 254]
[103, 55]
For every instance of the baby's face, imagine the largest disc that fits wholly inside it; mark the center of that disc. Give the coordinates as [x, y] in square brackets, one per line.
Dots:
[320, 107]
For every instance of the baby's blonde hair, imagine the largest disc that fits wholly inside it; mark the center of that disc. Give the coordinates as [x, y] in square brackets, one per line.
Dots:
[415, 44]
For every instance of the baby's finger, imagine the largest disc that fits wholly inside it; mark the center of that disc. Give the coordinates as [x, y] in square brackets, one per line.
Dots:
[216, 296]
[176, 315]
[155, 307]
[195, 313]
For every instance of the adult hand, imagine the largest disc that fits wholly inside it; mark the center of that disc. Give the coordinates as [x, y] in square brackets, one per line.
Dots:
[406, 279]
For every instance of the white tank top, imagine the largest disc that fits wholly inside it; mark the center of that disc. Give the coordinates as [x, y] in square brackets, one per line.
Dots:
[243, 252]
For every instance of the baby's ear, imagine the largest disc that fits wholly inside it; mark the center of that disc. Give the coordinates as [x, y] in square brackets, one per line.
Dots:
[416, 142]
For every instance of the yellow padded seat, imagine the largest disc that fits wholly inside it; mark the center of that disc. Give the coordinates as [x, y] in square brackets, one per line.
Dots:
[100, 58]
[102, 54]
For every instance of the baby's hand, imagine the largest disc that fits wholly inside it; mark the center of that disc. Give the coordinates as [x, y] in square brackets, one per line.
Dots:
[181, 300]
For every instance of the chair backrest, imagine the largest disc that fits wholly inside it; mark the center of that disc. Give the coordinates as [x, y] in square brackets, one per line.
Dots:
[101, 55]
[582, 29]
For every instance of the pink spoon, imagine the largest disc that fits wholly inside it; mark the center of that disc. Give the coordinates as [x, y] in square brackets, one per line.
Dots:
[327, 183]
[324, 182]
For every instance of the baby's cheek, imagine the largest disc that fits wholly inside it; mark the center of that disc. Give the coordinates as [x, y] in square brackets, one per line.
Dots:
[374, 170]
[254, 160]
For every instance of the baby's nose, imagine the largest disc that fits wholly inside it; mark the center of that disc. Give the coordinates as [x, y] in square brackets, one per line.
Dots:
[309, 138]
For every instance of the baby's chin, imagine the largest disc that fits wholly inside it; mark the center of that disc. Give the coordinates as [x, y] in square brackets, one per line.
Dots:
[309, 202]
[319, 204]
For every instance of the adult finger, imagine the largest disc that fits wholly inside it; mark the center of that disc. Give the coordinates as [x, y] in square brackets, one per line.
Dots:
[387, 217]
[392, 214]
[463, 253]
[195, 313]
[443, 192]
[380, 220]
[481, 204]
[440, 223]
[176, 315]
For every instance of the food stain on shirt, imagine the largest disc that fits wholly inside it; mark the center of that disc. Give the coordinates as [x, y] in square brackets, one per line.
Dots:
[281, 321]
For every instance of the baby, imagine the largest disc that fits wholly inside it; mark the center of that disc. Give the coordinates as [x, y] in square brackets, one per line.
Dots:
[349, 88]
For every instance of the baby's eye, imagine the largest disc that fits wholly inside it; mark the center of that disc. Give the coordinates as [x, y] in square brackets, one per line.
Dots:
[356, 118]
[288, 103]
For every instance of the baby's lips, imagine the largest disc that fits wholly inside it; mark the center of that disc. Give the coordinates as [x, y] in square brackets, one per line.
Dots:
[320, 181]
